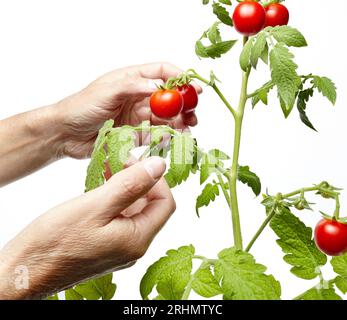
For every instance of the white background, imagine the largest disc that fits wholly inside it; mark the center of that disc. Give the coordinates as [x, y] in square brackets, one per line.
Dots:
[50, 49]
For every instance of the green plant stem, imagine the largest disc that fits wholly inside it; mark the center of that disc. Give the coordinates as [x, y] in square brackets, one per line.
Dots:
[261, 229]
[337, 209]
[225, 193]
[300, 191]
[235, 162]
[216, 89]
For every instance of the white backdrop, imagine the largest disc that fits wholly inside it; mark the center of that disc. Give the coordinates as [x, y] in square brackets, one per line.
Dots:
[50, 49]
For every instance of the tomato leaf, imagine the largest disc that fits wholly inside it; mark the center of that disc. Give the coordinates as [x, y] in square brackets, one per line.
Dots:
[205, 284]
[222, 14]
[291, 37]
[210, 161]
[246, 55]
[209, 193]
[71, 294]
[284, 76]
[296, 242]
[182, 159]
[303, 97]
[250, 178]
[326, 87]
[215, 50]
[262, 94]
[259, 50]
[325, 292]
[95, 289]
[119, 144]
[242, 278]
[213, 34]
[96, 168]
[170, 274]
[226, 2]
[340, 267]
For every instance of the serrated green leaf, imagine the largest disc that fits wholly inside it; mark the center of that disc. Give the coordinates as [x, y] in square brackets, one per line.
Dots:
[265, 54]
[96, 168]
[303, 97]
[169, 274]
[291, 37]
[209, 163]
[246, 55]
[222, 14]
[182, 159]
[71, 294]
[340, 267]
[205, 284]
[215, 50]
[320, 293]
[326, 87]
[105, 287]
[119, 144]
[88, 291]
[242, 278]
[209, 193]
[296, 242]
[262, 94]
[284, 76]
[258, 49]
[250, 178]
[213, 34]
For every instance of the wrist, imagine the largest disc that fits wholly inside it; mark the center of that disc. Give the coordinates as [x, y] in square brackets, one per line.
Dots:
[46, 126]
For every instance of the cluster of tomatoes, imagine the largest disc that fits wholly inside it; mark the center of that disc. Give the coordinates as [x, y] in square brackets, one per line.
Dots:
[250, 17]
[167, 103]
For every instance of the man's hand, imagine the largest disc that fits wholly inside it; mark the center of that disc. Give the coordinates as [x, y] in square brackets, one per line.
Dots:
[122, 95]
[103, 230]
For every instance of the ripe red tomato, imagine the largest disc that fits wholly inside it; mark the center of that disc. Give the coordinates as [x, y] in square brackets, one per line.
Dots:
[166, 104]
[331, 237]
[276, 15]
[249, 18]
[107, 173]
[190, 97]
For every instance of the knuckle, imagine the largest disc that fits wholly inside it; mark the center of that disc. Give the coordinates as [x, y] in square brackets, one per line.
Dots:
[131, 186]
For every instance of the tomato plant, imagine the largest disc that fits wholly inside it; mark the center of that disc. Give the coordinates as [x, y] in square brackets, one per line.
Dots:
[249, 18]
[276, 15]
[331, 237]
[235, 273]
[166, 103]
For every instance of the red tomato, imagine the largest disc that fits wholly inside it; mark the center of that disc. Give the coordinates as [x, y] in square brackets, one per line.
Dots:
[166, 104]
[249, 18]
[190, 98]
[331, 237]
[276, 15]
[108, 173]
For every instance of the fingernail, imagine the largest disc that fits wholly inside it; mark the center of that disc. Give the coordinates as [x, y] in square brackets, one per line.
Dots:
[155, 167]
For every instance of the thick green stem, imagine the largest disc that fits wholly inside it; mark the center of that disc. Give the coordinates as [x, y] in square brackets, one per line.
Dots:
[235, 162]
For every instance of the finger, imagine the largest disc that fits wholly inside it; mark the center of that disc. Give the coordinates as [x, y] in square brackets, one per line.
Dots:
[154, 216]
[190, 119]
[159, 70]
[125, 187]
[140, 87]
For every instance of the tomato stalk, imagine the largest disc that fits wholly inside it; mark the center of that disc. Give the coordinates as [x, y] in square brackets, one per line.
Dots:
[235, 162]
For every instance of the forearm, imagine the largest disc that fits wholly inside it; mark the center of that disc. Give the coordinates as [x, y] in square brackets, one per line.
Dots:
[29, 141]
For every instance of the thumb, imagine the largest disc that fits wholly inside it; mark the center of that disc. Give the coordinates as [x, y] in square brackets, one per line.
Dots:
[127, 186]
